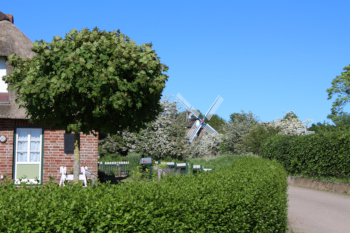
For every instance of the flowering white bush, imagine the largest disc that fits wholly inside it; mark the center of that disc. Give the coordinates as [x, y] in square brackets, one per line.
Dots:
[289, 124]
[205, 146]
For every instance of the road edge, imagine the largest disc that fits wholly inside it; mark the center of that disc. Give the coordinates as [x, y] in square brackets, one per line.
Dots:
[342, 188]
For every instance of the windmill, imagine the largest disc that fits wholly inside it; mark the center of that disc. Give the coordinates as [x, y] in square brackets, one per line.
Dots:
[199, 123]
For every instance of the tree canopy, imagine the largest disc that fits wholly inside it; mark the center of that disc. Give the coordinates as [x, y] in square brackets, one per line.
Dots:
[239, 117]
[340, 86]
[90, 80]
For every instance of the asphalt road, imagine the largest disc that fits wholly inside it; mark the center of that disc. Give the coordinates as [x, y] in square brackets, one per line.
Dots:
[314, 211]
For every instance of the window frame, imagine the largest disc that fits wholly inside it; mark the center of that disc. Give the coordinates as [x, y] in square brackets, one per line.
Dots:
[15, 150]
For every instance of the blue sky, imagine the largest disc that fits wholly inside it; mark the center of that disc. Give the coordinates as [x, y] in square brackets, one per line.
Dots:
[261, 56]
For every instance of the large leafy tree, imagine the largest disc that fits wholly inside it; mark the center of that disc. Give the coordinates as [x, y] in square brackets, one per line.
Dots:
[89, 81]
[341, 87]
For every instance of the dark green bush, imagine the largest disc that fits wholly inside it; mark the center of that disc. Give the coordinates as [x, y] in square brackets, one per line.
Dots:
[325, 154]
[249, 197]
[253, 140]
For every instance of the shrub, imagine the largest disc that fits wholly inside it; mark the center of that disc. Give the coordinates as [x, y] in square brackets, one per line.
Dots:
[249, 197]
[253, 139]
[325, 154]
[239, 125]
[113, 144]
[207, 145]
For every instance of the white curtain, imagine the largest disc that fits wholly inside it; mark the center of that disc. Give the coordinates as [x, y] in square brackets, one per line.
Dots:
[35, 146]
[34, 156]
[22, 146]
[22, 157]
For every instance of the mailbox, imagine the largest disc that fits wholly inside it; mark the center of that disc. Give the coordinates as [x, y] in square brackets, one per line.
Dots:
[146, 161]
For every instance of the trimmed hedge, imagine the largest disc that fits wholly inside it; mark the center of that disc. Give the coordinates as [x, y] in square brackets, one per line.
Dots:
[249, 197]
[325, 154]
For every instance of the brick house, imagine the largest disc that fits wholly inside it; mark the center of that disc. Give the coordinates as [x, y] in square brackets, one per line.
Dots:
[27, 150]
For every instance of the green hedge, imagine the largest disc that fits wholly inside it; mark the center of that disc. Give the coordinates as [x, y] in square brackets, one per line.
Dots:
[325, 154]
[249, 197]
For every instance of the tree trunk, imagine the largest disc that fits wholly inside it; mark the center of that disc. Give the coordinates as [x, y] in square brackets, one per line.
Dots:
[76, 165]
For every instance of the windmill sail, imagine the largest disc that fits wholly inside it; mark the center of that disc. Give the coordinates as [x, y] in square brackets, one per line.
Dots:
[213, 108]
[194, 129]
[209, 129]
[187, 105]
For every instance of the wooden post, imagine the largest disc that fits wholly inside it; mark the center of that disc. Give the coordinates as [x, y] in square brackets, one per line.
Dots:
[201, 168]
[103, 166]
[120, 169]
[192, 167]
[186, 168]
[175, 167]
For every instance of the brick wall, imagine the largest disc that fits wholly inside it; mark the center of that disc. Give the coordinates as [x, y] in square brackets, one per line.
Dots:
[54, 155]
[6, 149]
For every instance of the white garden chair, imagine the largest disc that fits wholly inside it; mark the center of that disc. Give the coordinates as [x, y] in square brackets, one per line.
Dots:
[65, 176]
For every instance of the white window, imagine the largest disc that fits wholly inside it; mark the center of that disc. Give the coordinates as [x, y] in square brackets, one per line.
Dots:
[3, 85]
[28, 155]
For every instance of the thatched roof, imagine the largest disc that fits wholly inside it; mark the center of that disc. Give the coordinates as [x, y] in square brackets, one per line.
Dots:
[12, 40]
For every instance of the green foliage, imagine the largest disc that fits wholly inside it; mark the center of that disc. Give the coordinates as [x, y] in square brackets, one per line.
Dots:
[239, 125]
[321, 127]
[253, 140]
[251, 196]
[113, 144]
[90, 80]
[326, 127]
[324, 154]
[112, 158]
[341, 87]
[342, 121]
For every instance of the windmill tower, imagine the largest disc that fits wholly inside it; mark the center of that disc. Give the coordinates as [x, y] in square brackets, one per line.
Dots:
[199, 124]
